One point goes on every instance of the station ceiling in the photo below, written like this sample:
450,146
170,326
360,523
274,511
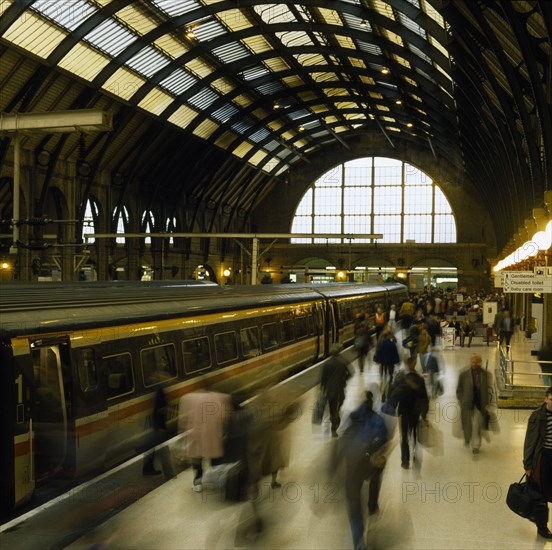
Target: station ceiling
214,101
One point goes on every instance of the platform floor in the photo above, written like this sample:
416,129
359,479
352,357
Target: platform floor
456,500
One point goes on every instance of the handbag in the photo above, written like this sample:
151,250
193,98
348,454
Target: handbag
525,501
319,408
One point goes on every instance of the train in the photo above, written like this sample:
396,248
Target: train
81,362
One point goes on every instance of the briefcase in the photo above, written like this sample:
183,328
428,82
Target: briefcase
525,501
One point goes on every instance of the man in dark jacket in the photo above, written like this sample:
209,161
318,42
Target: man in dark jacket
334,379
410,394
362,450
537,456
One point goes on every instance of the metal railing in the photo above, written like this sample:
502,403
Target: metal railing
522,372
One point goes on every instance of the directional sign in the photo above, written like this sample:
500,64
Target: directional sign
526,281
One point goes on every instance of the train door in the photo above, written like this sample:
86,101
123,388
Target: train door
52,406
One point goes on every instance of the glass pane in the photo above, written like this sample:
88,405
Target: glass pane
119,378
413,176
305,206
358,200
387,171
226,347
197,355
387,200
418,199
417,228
331,178
445,228
270,336
287,330
327,224
364,163
390,227
301,327
302,224
88,372
158,364
250,341
356,225
442,205
358,172
88,222
327,201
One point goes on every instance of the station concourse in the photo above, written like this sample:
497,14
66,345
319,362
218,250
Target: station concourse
455,501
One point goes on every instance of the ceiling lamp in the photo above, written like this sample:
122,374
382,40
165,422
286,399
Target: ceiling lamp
384,70
409,124
364,23
189,32
301,128
276,105
398,101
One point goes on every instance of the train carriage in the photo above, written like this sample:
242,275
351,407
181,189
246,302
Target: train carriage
80,362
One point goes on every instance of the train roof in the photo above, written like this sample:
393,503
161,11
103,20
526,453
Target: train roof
34,308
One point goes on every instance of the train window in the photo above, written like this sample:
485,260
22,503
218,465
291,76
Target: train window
250,341
197,355
158,364
301,327
119,376
287,330
226,347
88,371
270,335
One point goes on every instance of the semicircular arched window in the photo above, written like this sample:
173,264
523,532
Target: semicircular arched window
123,222
375,195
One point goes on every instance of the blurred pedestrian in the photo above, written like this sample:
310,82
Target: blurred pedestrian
362,339
409,394
202,416
387,356
474,393
362,451
158,436
335,375
506,329
537,456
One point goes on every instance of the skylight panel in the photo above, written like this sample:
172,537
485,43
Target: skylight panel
272,145
174,8
148,61
207,30
68,14
419,53
433,13
369,48
357,23
254,73
294,38
425,75
204,99
270,88
178,81
259,135
230,52
110,37
275,13
411,25
225,112
301,113
242,126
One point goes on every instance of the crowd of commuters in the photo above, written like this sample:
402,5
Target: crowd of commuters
251,442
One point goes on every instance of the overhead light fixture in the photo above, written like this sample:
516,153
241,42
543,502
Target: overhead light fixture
364,23
409,124
398,101
276,105
384,70
189,32
301,128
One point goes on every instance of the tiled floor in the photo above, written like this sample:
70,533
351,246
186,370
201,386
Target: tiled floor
456,500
